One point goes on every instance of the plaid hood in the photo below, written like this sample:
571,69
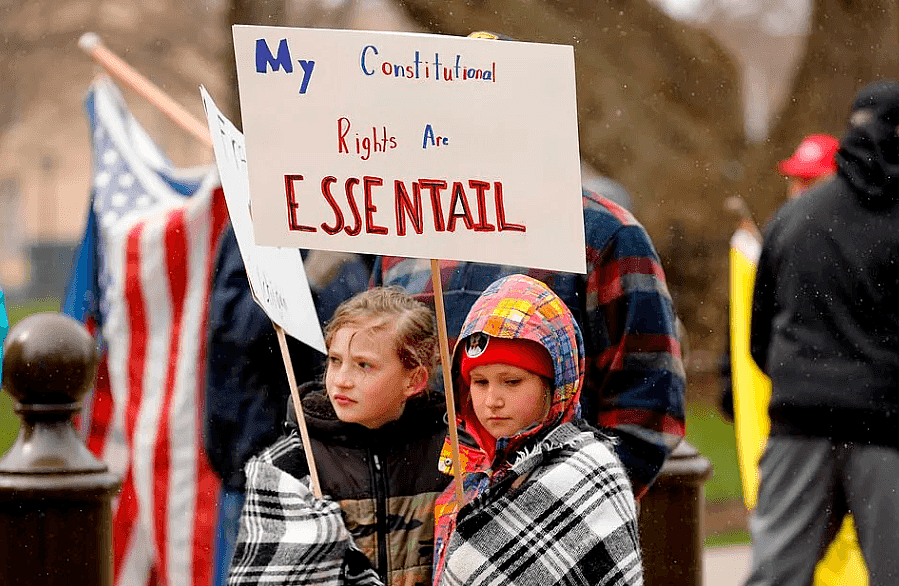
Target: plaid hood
551,504
519,306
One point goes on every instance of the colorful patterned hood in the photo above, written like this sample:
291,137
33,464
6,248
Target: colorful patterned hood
519,306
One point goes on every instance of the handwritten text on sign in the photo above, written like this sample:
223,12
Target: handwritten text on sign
414,145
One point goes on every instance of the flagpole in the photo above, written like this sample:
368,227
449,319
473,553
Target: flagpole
91,44
437,284
737,205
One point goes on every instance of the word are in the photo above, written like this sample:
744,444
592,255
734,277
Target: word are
407,206
365,145
454,70
265,59
430,139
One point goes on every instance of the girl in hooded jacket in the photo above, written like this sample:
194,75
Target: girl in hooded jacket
376,435
546,501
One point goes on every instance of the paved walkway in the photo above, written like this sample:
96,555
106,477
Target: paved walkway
726,566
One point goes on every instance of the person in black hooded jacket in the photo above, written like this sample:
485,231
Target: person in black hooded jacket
825,329
375,435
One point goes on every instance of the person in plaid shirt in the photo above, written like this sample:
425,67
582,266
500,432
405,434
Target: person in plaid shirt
635,380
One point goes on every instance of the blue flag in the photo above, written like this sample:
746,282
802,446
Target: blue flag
4,329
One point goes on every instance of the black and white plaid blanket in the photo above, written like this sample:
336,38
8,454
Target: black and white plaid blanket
289,537
572,521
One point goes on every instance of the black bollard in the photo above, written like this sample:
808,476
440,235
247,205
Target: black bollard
671,516
55,496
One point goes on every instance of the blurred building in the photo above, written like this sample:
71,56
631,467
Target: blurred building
45,158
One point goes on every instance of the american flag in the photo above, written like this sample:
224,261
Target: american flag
141,279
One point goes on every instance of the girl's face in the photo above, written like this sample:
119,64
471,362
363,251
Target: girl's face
366,382
506,399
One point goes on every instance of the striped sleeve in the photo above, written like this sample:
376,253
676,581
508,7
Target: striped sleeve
635,380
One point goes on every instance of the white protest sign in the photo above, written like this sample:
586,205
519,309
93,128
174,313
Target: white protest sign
277,276
417,145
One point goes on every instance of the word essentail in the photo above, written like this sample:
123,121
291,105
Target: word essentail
407,206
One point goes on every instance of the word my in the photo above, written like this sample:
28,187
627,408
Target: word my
265,59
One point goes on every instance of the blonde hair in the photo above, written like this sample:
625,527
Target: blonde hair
413,322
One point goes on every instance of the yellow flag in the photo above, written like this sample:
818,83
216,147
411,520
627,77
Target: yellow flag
843,564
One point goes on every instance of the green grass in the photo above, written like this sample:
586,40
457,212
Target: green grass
22,310
9,421
739,537
714,438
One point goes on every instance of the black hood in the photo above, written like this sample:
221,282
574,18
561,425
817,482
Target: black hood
869,153
420,417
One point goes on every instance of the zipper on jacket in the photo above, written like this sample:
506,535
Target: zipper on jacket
380,488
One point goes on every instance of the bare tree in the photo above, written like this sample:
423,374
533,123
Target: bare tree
659,110
851,43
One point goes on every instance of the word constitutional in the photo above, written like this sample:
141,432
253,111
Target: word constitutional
449,204
455,69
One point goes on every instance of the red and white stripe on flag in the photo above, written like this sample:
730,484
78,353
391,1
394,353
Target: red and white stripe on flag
156,251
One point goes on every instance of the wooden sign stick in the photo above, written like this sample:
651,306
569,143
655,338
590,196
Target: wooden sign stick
117,67
298,407
445,361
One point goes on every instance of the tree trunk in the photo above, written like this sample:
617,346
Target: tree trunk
658,110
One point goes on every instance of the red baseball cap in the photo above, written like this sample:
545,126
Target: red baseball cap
813,158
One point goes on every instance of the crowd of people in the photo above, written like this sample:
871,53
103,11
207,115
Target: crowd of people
587,395
569,395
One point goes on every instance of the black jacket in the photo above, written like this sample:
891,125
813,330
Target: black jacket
386,480
246,383
825,316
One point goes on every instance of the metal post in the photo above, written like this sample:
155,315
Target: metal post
671,515
55,496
